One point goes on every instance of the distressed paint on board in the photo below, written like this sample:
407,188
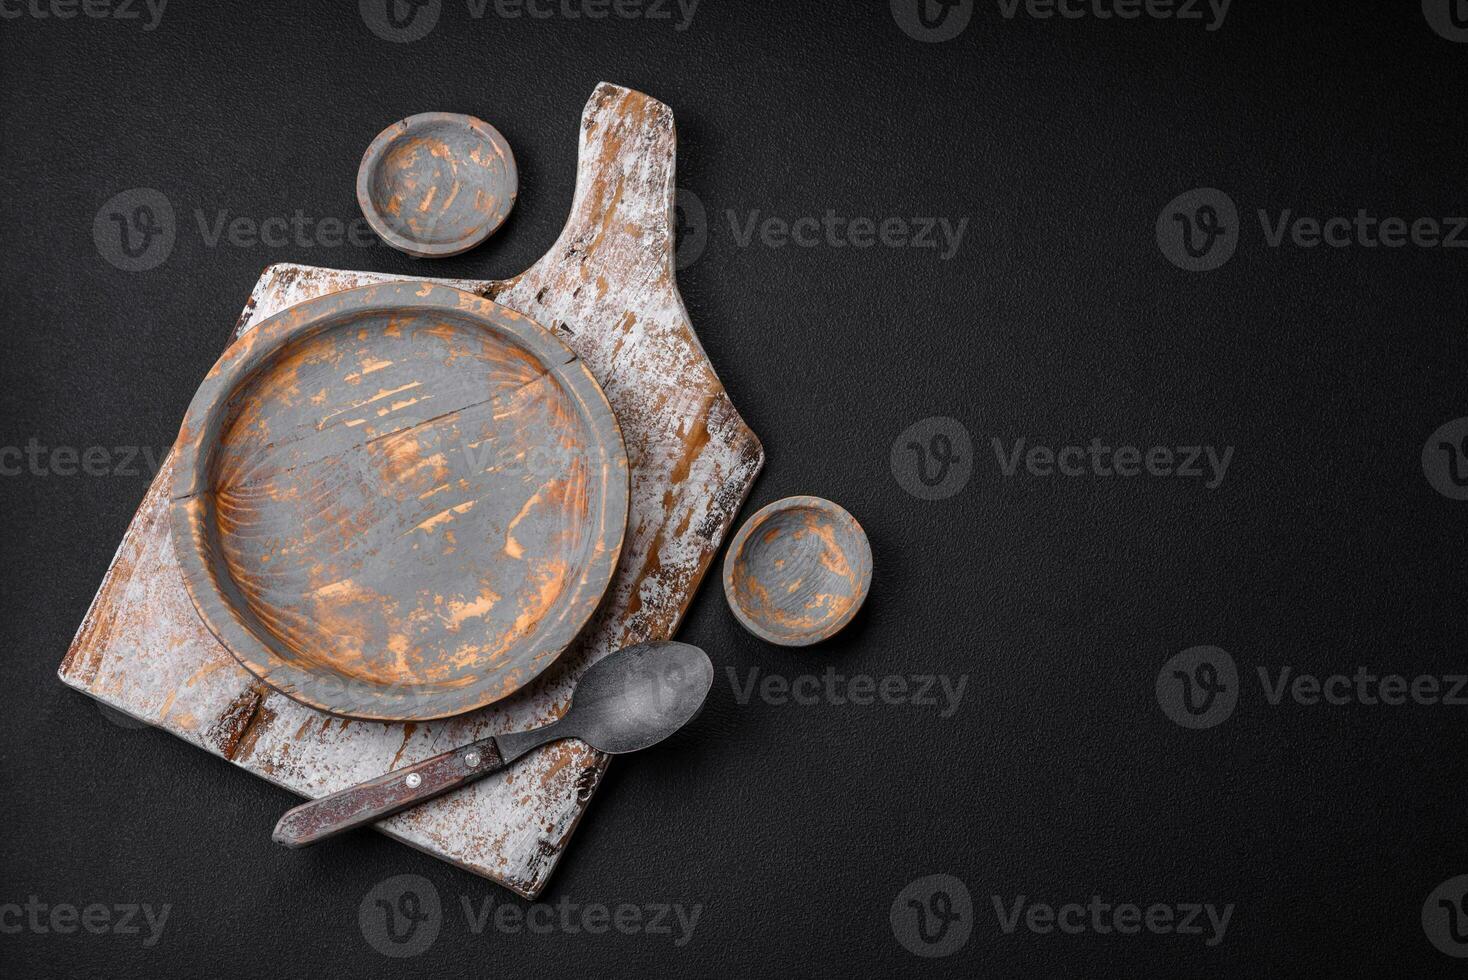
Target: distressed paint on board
607,289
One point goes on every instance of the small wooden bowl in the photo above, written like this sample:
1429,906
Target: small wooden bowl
798,571
437,183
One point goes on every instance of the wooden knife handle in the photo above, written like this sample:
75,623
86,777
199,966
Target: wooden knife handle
377,798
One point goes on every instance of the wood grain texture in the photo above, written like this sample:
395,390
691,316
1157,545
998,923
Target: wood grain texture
437,183
607,289
399,501
798,571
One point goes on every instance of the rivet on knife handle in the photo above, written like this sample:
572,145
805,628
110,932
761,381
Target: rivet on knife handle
378,798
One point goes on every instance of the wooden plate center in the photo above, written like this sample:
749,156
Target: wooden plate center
399,501
366,474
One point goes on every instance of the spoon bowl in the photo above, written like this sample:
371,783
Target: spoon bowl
636,697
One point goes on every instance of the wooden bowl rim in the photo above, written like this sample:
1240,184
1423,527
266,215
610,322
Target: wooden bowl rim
372,160
198,438
863,559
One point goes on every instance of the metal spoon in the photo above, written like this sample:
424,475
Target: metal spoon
626,701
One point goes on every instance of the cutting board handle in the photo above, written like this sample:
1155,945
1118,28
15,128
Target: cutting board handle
623,206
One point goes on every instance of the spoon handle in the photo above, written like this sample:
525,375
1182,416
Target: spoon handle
377,798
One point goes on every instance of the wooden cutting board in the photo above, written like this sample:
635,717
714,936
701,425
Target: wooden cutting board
606,288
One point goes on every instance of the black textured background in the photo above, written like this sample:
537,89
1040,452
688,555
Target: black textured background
1058,319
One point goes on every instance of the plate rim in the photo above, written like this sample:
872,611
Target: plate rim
248,353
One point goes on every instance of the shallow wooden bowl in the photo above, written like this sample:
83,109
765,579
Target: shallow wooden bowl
798,571
437,183
399,502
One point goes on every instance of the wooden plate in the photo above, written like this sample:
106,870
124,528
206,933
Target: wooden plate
437,183
797,571
398,502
